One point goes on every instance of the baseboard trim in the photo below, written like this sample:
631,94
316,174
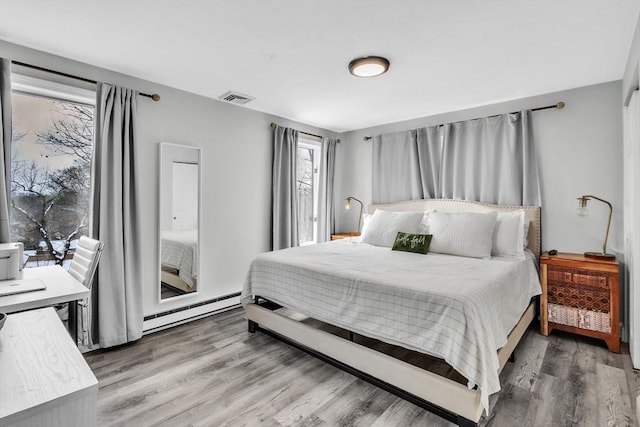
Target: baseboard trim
189,313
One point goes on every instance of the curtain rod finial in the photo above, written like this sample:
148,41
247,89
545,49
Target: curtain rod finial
155,97
560,105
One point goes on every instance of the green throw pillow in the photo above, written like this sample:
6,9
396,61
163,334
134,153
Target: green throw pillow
418,243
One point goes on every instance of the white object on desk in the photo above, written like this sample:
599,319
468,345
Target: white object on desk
44,380
12,287
11,260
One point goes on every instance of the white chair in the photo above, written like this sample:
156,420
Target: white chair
83,268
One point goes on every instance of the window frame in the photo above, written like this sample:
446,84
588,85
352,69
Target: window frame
315,146
50,89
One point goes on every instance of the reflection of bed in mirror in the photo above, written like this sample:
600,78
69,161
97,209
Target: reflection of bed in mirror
179,259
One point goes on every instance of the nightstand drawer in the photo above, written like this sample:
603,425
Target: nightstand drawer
576,276
584,298
583,319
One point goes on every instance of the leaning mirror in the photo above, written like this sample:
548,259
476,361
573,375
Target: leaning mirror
179,219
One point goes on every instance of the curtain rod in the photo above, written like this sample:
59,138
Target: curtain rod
154,96
558,105
273,126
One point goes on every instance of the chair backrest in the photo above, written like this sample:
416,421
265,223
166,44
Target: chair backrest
85,260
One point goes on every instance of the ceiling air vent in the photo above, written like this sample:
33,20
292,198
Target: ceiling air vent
235,98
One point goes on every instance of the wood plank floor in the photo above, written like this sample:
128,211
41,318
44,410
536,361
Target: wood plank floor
212,372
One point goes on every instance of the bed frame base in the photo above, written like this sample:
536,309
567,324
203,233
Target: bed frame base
441,396
435,409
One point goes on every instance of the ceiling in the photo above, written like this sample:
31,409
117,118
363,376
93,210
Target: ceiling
292,55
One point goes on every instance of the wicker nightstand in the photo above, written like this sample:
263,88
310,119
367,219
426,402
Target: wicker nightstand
580,295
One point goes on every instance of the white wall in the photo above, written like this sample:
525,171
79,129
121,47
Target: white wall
631,267
236,171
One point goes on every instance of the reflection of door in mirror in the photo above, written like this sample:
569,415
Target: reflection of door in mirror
179,208
184,196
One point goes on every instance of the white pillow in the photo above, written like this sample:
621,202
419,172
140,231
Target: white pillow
383,226
508,236
365,223
424,224
467,234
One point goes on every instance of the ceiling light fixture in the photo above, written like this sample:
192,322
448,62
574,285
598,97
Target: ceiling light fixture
369,66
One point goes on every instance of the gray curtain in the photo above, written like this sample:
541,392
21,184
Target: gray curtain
406,165
325,191
5,151
491,160
118,289
284,200
429,143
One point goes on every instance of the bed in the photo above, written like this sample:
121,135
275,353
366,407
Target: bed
179,263
472,320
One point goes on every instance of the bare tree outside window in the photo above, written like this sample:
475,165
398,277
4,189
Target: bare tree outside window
51,172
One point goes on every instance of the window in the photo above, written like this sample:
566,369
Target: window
50,168
308,163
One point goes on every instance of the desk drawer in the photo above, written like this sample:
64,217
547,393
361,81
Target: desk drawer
576,276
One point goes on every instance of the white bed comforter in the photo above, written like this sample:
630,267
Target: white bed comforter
455,308
179,250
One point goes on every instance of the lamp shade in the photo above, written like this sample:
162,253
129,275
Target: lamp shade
582,206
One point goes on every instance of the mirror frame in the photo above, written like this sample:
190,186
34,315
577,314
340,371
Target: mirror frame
165,156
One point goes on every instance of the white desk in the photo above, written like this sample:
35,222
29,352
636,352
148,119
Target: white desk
61,288
44,380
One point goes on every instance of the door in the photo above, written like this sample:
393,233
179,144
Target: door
184,209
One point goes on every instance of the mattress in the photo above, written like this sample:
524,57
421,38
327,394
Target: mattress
455,308
179,250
